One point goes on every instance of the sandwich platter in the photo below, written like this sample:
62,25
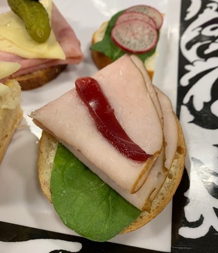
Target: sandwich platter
186,71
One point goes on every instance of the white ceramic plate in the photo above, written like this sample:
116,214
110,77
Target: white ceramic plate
21,200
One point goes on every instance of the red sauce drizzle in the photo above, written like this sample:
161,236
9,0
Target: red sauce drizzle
101,111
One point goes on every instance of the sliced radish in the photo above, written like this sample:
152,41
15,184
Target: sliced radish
150,11
135,15
134,36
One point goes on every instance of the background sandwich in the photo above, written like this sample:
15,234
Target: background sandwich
128,24
40,61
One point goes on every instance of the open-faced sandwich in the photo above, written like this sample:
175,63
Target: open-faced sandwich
10,105
36,35
134,30
112,151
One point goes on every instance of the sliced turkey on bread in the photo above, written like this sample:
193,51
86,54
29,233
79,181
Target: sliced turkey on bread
124,99
149,184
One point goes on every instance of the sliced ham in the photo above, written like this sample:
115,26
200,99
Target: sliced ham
64,35
124,87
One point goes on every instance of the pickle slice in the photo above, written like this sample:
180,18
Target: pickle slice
35,17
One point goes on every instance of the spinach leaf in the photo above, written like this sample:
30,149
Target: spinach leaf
84,202
110,49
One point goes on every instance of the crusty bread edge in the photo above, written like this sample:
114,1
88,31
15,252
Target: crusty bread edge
40,77
47,149
14,122
9,121
169,187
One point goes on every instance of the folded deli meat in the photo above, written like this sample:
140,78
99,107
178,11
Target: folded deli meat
62,47
143,112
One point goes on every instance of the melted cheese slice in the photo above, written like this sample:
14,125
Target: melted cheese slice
8,68
9,99
15,39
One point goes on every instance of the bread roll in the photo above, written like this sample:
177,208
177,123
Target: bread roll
10,113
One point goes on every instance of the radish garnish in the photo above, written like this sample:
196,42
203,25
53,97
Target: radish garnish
105,120
150,11
135,15
135,36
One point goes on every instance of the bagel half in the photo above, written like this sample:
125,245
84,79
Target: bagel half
47,149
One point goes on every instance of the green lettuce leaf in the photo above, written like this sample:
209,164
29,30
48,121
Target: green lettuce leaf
84,202
110,49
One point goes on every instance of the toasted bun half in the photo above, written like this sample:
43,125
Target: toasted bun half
47,149
101,60
11,114
40,77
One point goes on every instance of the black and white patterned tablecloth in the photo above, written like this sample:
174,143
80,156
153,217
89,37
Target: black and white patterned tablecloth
195,204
